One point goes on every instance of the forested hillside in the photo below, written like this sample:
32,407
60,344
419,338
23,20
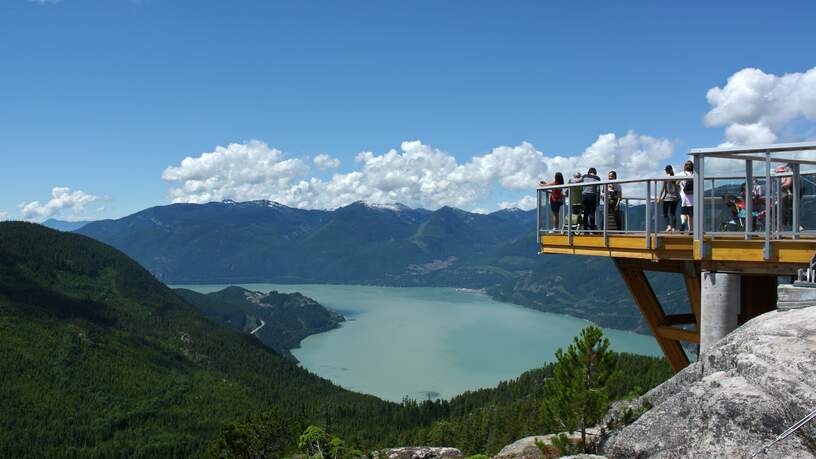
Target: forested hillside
100,359
484,421
279,320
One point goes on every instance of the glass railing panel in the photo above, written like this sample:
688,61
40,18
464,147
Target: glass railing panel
725,206
730,206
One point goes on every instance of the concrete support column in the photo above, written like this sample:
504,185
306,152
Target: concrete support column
719,308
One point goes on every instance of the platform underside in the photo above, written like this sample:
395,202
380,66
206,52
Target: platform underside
634,254
724,253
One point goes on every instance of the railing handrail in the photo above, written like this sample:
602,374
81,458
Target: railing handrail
772,148
618,181
661,179
776,203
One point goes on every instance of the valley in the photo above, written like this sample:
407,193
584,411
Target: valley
389,245
429,342
100,359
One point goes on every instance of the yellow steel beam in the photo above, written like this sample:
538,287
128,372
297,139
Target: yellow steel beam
647,302
681,247
678,334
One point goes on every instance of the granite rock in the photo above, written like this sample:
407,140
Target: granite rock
743,392
420,452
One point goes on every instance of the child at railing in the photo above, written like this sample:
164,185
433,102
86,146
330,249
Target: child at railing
736,204
575,199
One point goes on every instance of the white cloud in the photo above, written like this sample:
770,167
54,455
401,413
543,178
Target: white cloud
62,199
527,202
324,161
3,216
242,172
757,107
416,174
480,210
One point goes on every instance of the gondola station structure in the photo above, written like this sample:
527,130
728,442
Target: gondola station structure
750,231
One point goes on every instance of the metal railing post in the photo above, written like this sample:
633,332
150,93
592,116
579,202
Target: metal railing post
626,216
606,215
779,209
569,217
658,220
699,205
767,250
538,215
648,213
713,227
796,201
749,198
560,219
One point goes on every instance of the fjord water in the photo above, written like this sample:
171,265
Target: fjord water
425,342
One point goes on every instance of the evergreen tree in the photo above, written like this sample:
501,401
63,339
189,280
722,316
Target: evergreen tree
268,434
314,442
577,394
442,433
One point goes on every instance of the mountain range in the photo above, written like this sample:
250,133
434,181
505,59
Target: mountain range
362,243
65,225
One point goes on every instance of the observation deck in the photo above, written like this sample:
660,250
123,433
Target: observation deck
732,259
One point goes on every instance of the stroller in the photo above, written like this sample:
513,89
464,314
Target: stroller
739,214
574,221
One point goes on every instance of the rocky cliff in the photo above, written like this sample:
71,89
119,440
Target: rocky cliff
746,390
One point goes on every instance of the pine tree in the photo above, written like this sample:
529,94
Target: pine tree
577,394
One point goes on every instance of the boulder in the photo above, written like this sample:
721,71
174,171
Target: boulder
420,452
742,393
526,448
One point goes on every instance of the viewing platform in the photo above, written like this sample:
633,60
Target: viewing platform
749,232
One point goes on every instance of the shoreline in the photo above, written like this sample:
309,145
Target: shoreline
483,291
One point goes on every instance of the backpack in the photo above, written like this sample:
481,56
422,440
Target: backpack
688,188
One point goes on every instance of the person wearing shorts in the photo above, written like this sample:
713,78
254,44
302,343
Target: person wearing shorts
556,199
687,197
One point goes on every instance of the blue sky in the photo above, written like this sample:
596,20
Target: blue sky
102,97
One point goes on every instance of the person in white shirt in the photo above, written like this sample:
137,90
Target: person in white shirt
615,194
687,196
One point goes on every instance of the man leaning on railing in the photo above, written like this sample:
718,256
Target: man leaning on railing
589,200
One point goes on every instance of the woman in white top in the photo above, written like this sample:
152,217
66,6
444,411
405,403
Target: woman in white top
687,196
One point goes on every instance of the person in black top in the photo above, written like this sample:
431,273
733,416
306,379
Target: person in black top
614,195
589,199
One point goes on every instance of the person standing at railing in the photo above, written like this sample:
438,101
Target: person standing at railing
687,197
556,199
614,194
589,199
786,196
575,199
669,196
